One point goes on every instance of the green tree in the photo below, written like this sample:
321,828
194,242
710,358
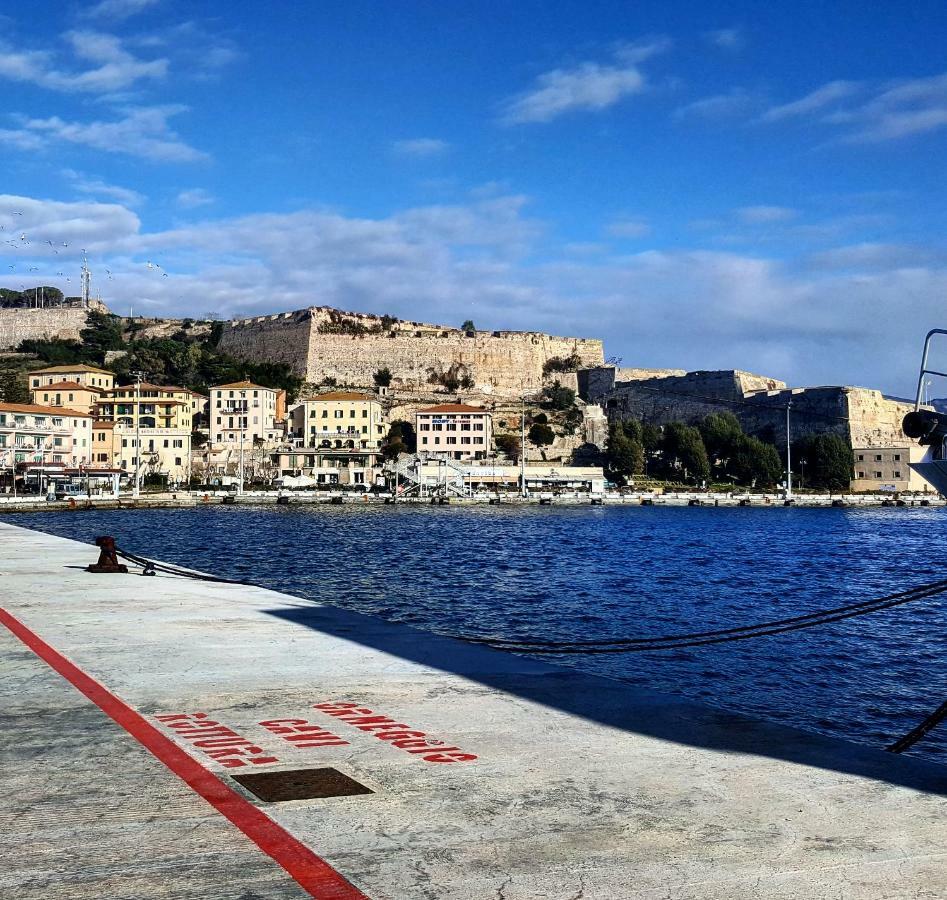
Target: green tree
624,455
382,377
102,332
754,463
468,326
559,397
828,459
541,435
13,388
684,449
721,433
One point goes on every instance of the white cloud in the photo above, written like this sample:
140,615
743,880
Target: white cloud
628,228
589,86
143,132
726,38
851,317
96,187
906,108
816,101
117,9
115,68
736,102
898,109
420,147
765,215
193,198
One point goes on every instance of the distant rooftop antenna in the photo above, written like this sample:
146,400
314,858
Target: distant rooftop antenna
86,281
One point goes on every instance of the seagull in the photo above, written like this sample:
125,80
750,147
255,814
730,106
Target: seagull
18,214
12,267
150,264
59,273
164,274
23,236
34,268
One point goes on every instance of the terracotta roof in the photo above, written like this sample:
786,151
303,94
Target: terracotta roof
78,367
242,385
102,425
342,395
42,410
453,408
68,386
148,386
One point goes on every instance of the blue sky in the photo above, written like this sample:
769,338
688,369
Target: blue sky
704,185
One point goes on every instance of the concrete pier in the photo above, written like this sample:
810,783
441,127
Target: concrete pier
481,774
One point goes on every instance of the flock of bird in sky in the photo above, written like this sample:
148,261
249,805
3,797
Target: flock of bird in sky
24,241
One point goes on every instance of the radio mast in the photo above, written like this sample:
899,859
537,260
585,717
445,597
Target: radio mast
86,281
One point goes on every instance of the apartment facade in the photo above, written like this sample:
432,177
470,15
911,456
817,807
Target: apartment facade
243,411
149,405
32,435
887,469
335,439
454,431
68,394
165,452
339,419
88,376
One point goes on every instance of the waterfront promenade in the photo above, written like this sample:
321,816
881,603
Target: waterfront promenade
580,787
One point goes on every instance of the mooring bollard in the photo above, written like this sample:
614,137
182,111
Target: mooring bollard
108,557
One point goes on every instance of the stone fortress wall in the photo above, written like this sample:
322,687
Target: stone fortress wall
321,343
865,417
18,325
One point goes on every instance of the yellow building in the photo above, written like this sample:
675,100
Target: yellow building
71,394
339,419
158,406
89,376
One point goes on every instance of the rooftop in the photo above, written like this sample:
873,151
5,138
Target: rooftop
342,395
41,410
453,408
69,386
78,367
241,385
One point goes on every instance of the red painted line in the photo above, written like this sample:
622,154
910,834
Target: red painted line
313,873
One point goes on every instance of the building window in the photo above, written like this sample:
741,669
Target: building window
897,457
451,440
877,457
879,475
861,457
424,439
859,474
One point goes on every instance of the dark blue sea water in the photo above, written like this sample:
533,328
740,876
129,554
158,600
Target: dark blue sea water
587,572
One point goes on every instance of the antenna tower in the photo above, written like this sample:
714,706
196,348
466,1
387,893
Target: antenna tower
86,281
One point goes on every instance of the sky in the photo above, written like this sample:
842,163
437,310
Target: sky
702,185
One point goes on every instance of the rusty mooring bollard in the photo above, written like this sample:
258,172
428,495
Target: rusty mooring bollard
108,558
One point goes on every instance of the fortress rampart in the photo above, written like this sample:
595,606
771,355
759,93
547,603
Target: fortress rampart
865,417
40,324
321,343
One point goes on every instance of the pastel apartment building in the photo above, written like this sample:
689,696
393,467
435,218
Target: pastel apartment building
454,431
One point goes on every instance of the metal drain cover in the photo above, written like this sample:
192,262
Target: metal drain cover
301,784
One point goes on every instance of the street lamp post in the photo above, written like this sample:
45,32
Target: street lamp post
788,454
136,488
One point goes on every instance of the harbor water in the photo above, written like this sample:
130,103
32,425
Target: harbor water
583,573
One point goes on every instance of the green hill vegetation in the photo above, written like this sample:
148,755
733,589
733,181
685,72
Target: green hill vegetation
185,359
